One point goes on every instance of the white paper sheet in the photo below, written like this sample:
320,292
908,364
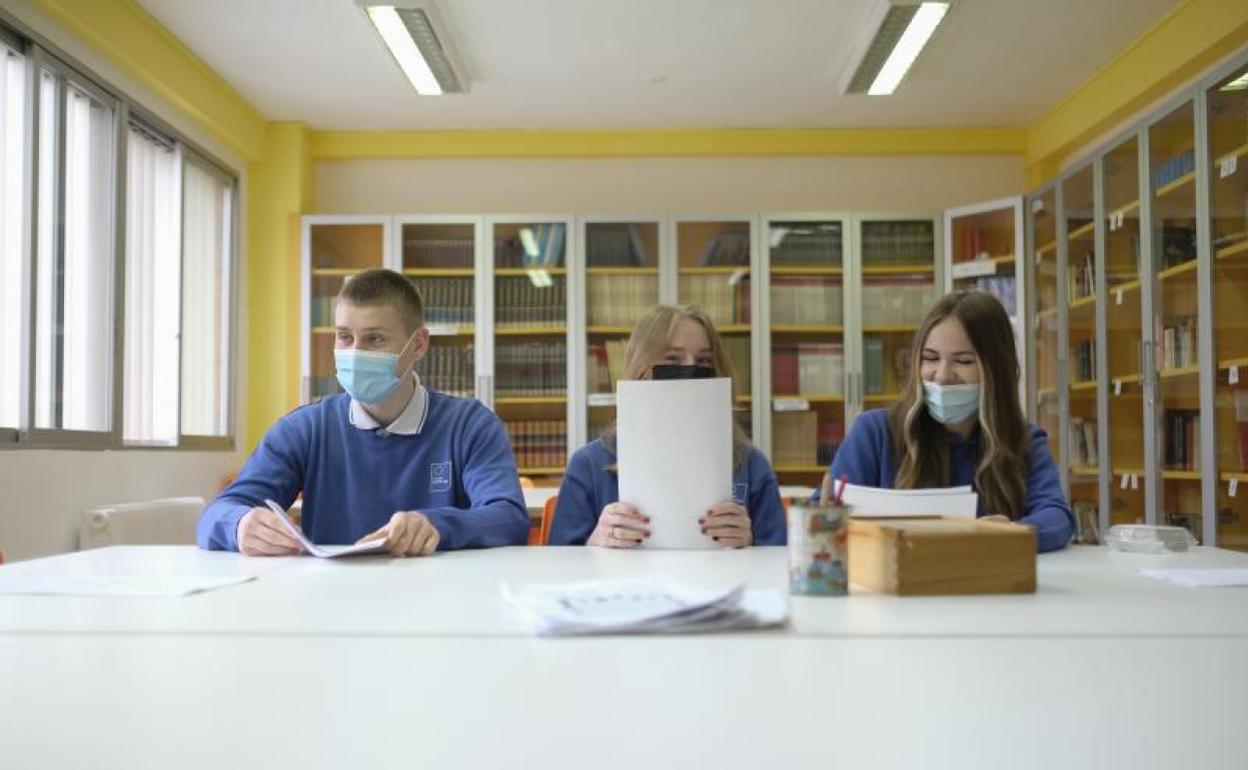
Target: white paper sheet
174,585
1195,578
674,449
949,502
323,551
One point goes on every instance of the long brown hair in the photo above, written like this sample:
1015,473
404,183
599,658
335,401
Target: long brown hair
921,443
647,346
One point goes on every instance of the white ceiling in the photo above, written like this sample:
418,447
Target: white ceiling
623,64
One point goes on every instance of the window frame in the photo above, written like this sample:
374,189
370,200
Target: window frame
40,55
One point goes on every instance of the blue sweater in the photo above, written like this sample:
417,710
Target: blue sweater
866,459
588,486
458,471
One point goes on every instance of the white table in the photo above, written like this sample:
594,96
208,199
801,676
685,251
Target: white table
417,663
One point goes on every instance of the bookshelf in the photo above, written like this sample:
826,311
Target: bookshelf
1227,126
1045,403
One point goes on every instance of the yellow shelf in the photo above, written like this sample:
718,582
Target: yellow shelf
1170,272
541,471
1234,250
622,270
1087,301
322,330
504,331
1227,476
1045,248
745,399
801,469
529,400
733,329
1048,311
1182,371
1129,286
716,270
441,330
890,329
1170,187
1128,472
609,329
1085,470
338,271
881,397
1128,379
818,398
806,329
1045,392
524,271
898,269
1181,475
1084,385
1081,231
440,272
1238,152
1229,362
791,270
1132,206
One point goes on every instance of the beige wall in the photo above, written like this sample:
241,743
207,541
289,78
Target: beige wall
635,185
43,491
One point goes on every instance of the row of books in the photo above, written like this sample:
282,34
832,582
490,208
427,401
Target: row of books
730,247
1083,359
1003,287
609,244
532,246
902,300
808,369
448,369
725,301
620,300
1182,439
531,369
1177,344
806,243
447,300
898,243
1081,278
806,300
973,245
1083,447
321,311
606,365
1240,400
1175,167
538,443
439,252
520,302
802,438
1178,245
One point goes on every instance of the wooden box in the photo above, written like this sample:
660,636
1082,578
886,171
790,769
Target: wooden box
942,556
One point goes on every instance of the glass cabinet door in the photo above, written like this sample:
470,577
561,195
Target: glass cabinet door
438,258
1045,322
1080,271
984,251
1228,202
1123,346
898,269
336,251
621,285
1175,312
713,272
530,391
807,320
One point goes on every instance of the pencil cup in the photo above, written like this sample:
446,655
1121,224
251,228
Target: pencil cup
818,549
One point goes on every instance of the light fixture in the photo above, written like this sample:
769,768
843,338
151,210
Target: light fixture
410,32
898,31
1238,84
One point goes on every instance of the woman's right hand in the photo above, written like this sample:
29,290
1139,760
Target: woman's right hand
620,525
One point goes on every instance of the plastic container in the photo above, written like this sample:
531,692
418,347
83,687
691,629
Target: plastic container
1148,538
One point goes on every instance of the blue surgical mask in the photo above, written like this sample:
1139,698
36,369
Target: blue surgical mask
951,404
367,375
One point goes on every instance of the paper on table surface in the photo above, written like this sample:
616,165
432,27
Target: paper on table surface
1194,578
323,551
674,450
90,585
871,502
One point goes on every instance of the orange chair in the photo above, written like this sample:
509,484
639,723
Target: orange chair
548,514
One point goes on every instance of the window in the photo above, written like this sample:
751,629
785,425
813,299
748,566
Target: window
153,286
75,264
207,243
12,227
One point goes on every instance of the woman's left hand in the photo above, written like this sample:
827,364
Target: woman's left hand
728,524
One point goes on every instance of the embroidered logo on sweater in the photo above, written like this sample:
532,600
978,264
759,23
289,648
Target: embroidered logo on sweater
440,476
738,492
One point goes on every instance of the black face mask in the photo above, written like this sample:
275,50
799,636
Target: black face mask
682,372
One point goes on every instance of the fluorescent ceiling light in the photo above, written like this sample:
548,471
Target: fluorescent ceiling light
1238,84
898,31
408,31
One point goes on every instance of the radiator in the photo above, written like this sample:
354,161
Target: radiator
170,521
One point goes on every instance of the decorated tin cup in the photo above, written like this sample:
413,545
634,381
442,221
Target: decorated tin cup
818,549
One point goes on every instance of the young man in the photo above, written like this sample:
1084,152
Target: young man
388,458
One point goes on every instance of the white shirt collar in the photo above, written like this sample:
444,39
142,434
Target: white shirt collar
409,422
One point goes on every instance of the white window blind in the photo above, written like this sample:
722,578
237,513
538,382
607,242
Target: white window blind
153,285
12,215
206,248
74,327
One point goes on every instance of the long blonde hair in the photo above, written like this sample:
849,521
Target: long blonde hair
648,345
921,444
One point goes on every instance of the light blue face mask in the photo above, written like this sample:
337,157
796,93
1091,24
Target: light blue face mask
368,376
951,404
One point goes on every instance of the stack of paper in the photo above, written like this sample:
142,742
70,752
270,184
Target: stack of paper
643,606
947,502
